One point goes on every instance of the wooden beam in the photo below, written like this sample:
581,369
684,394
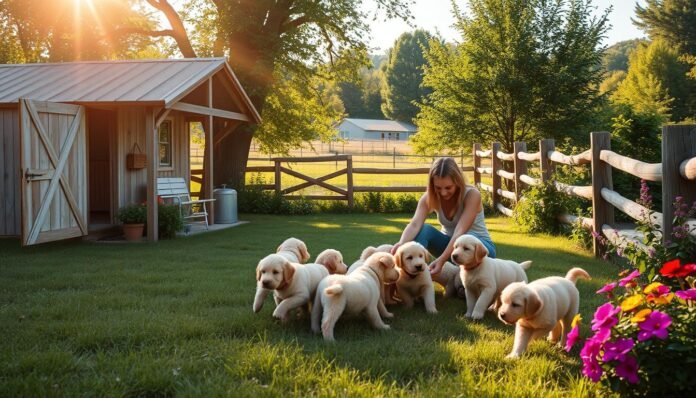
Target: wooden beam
476,164
678,145
202,110
645,171
520,168
209,144
602,211
545,162
152,151
581,158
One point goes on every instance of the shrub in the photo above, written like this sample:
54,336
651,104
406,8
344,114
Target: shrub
579,234
540,209
170,220
133,214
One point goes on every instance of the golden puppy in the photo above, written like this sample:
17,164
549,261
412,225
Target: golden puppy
356,293
484,277
544,306
294,250
333,261
367,252
293,284
450,279
414,276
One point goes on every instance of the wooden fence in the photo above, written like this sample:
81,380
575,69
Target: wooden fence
346,193
676,172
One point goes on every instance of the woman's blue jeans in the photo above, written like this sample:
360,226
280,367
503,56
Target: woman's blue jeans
436,241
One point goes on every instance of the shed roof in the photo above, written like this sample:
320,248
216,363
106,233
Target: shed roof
383,125
162,81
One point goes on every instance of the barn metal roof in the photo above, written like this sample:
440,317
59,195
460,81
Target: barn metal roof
383,125
162,81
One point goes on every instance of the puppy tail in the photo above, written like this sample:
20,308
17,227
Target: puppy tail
333,290
526,264
576,273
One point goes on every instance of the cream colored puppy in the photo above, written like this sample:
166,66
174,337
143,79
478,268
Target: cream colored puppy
356,293
543,307
367,252
484,277
333,261
450,279
294,250
293,284
414,276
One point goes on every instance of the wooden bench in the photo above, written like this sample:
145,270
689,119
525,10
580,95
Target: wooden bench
176,190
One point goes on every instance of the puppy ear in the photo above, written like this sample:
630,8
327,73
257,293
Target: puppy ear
258,273
397,257
387,260
370,250
304,254
279,246
480,252
533,305
288,272
331,264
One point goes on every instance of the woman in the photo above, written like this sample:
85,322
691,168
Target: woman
459,211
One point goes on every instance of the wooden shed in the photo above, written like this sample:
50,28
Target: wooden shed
69,133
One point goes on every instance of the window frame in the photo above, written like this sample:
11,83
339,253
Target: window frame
170,144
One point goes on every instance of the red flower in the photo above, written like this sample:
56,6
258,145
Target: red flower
674,269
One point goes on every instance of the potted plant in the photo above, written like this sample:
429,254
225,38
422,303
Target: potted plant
133,218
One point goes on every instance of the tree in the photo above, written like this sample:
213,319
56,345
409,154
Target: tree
616,56
265,39
403,75
656,82
363,99
671,20
524,69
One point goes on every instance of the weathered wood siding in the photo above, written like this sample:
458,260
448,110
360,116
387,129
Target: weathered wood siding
130,185
10,209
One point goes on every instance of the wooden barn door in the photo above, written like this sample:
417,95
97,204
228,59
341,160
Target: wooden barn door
54,171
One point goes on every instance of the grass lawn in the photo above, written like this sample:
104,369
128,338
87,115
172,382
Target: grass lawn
175,318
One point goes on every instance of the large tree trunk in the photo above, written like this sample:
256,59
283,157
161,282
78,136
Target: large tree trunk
231,157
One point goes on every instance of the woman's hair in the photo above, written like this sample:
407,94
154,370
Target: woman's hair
444,167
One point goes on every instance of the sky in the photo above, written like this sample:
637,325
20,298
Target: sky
436,15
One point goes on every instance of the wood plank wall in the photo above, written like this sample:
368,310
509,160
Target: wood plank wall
10,209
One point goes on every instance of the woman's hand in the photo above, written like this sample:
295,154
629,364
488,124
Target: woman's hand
395,247
436,266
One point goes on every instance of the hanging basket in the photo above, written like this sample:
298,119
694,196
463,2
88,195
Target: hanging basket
136,160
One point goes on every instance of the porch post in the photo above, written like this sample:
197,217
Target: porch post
209,143
152,151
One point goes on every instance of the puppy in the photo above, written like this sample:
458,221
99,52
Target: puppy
484,277
293,284
333,261
356,293
544,306
367,252
450,279
414,276
294,250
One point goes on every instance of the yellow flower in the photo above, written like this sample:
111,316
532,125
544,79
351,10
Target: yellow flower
652,287
641,315
666,299
576,320
630,303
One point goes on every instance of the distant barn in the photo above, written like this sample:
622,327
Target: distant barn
79,140
372,129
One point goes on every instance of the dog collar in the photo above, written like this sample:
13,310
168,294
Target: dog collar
413,276
379,280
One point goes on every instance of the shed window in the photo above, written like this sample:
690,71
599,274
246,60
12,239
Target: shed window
165,144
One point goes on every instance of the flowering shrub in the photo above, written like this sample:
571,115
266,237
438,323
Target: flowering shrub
643,339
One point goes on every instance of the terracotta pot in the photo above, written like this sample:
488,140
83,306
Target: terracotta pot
133,232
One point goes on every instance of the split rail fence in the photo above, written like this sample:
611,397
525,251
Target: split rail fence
676,172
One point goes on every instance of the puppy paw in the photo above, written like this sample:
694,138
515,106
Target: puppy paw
388,315
283,317
386,327
476,316
512,356
467,315
431,311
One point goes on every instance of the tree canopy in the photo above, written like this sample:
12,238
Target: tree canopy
525,69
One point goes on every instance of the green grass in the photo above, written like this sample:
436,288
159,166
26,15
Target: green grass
175,318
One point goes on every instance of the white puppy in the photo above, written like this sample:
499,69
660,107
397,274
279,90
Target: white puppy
356,293
484,277
367,252
450,279
543,307
333,261
293,284
294,250
414,276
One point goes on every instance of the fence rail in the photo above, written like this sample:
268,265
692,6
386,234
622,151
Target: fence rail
676,172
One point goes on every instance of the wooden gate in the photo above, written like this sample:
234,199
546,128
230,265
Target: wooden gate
54,171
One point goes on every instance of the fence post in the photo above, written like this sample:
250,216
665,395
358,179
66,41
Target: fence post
602,211
277,177
520,168
349,180
477,164
546,165
496,164
678,144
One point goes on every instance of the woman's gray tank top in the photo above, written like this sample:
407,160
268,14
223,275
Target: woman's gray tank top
478,227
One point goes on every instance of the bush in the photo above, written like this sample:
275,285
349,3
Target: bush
133,214
540,209
170,221
579,234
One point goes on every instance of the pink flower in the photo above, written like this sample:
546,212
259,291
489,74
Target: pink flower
607,288
627,280
605,317
592,370
655,325
627,369
687,294
572,338
617,350
602,334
